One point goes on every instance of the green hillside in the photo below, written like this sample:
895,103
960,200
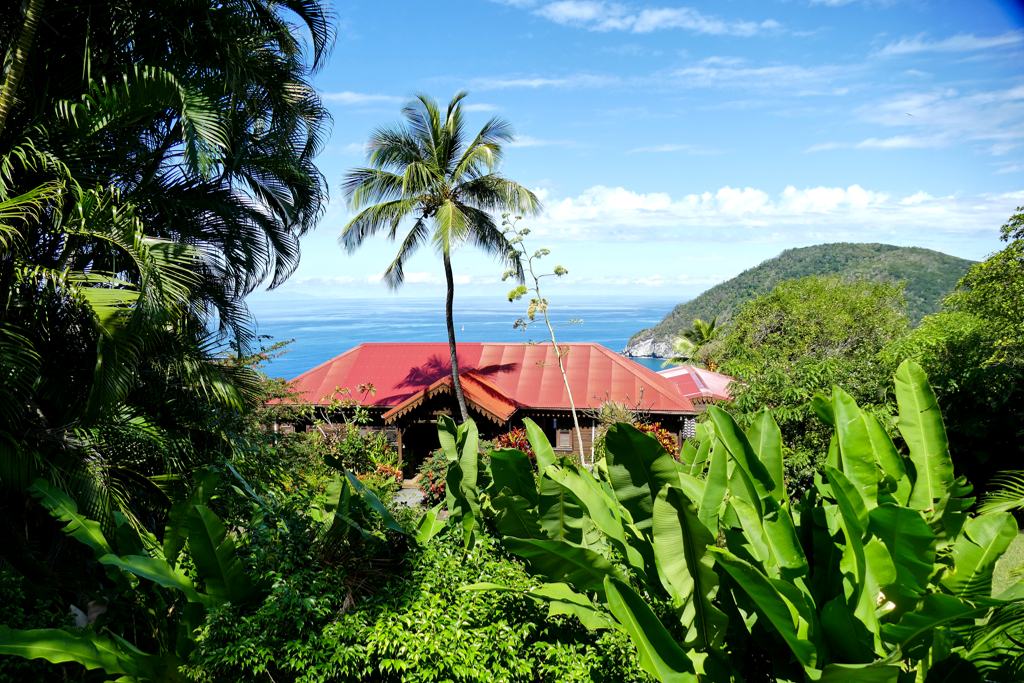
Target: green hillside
929,276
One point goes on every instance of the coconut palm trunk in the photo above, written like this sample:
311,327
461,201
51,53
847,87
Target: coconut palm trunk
450,320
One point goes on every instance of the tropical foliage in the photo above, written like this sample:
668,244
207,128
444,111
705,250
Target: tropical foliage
803,338
156,165
429,172
877,572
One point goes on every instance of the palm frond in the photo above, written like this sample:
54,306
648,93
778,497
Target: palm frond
1007,493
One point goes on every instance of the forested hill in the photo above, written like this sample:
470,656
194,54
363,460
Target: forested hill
929,276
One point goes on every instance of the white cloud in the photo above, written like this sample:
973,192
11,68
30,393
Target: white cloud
351,149
355,98
940,118
573,81
1011,169
712,74
528,141
750,214
832,3
964,42
598,15
689,149
479,107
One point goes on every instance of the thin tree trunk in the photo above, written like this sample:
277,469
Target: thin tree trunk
565,378
21,50
456,382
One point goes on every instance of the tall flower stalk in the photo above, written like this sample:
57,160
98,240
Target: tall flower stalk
538,304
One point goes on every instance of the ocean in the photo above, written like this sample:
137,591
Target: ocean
325,328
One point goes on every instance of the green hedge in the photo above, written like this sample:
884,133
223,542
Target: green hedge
416,626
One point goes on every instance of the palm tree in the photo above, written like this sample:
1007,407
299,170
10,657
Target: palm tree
693,341
426,170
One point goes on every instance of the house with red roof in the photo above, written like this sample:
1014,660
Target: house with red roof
502,384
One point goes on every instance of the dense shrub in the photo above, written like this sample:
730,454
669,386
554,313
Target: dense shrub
417,626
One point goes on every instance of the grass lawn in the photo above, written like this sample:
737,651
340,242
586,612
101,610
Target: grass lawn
1013,559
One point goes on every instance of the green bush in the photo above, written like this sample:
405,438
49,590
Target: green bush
18,609
369,624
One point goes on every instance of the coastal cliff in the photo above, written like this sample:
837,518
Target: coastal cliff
640,346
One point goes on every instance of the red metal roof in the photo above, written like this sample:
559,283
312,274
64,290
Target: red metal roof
499,377
698,383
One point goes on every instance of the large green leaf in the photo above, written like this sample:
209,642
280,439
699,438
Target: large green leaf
511,469
730,434
716,486
856,447
602,509
680,545
779,611
658,652
780,533
765,438
77,526
852,504
517,518
638,468
560,561
176,530
922,428
542,449
562,599
159,572
57,646
217,563
429,525
975,552
858,673
936,609
561,515
911,545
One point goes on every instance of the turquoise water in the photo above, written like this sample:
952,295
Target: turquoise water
325,328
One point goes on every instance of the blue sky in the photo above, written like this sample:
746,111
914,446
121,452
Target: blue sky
677,144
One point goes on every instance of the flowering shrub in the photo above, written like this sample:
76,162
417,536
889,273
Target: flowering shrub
516,439
384,471
664,437
432,482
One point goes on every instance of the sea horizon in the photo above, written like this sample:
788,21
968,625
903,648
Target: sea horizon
324,328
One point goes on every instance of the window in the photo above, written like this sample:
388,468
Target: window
564,440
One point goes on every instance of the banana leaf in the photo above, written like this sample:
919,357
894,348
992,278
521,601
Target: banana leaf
563,562
176,530
911,545
777,609
658,652
638,468
765,438
517,518
511,469
680,545
542,449
922,428
217,563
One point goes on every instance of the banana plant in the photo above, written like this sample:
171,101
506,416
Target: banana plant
138,566
878,574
